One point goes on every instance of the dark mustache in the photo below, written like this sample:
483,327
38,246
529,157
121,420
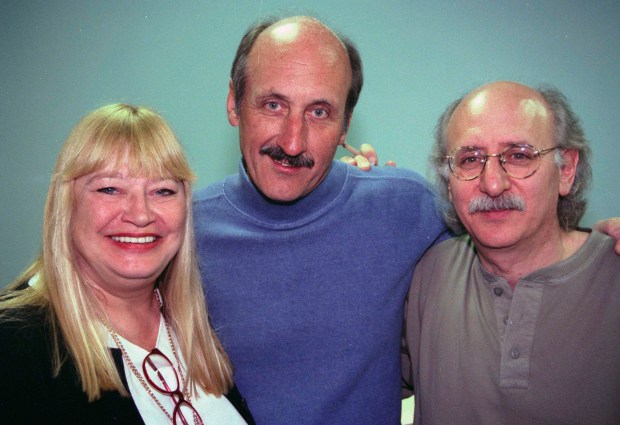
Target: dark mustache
277,154
506,201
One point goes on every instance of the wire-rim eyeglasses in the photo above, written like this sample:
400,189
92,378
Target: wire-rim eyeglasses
518,161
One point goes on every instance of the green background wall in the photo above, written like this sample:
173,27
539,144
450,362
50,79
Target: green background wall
61,59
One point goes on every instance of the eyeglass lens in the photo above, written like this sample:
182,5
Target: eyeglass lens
160,373
183,411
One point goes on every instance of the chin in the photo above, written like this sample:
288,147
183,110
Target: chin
284,198
493,235
283,193
496,241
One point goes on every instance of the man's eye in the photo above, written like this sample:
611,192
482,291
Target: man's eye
467,159
470,159
523,156
107,190
272,106
319,113
520,155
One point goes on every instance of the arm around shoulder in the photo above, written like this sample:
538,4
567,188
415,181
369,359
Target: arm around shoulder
611,227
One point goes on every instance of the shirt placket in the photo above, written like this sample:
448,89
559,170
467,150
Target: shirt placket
516,313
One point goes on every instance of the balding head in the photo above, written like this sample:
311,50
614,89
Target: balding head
293,32
498,104
505,95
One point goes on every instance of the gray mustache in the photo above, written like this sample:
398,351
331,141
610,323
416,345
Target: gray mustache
502,202
277,154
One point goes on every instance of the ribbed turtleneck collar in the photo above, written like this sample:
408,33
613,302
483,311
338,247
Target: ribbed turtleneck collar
242,193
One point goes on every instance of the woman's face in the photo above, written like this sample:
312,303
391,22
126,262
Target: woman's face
126,229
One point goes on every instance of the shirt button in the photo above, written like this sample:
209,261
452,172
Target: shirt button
506,321
498,291
514,353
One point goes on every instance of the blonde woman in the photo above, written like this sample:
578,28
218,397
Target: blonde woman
109,324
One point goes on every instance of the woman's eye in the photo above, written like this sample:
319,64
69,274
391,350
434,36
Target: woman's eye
107,190
165,192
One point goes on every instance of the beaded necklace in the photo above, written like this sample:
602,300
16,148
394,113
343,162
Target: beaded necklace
134,369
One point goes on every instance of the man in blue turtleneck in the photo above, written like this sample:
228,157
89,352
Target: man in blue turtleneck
306,262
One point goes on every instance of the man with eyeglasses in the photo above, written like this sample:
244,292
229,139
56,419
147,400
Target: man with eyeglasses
517,321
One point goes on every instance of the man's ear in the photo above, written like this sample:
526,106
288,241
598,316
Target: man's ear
345,131
233,116
568,171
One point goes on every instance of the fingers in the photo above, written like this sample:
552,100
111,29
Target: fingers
362,162
348,160
610,226
369,153
364,158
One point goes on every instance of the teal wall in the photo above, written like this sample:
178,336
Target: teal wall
60,59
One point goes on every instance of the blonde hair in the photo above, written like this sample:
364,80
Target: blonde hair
116,133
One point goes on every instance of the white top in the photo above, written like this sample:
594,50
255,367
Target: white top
213,410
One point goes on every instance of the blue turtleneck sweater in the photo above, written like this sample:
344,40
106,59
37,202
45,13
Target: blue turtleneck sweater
307,297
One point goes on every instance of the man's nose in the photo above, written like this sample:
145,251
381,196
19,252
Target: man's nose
294,133
494,180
